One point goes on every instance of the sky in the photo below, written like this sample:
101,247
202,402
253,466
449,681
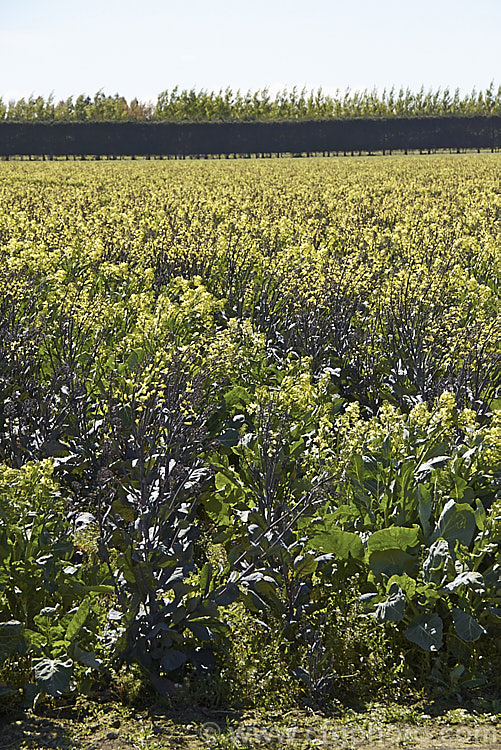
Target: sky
138,49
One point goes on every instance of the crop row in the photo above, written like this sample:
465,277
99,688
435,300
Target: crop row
249,426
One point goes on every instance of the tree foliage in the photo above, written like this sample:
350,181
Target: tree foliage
226,105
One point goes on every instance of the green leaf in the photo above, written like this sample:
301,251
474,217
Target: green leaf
392,609
424,508
435,565
480,515
340,543
53,675
396,537
467,628
472,580
134,358
123,509
391,562
456,523
222,481
141,575
87,658
10,637
406,583
434,463
426,631
35,638
218,510
305,565
205,578
254,602
226,595
100,588
78,620
200,630
492,577
266,589
345,514
173,659
229,438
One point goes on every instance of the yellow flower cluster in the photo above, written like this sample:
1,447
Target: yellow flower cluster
492,442
28,488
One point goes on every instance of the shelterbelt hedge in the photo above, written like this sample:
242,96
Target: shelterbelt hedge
250,435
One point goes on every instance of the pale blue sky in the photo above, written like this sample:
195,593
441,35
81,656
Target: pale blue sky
144,47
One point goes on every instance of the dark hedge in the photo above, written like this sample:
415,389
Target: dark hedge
183,139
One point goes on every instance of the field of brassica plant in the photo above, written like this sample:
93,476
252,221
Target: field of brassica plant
250,435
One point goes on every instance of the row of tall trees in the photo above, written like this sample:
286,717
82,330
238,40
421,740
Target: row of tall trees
227,105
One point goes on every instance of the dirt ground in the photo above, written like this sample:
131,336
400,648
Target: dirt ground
115,728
